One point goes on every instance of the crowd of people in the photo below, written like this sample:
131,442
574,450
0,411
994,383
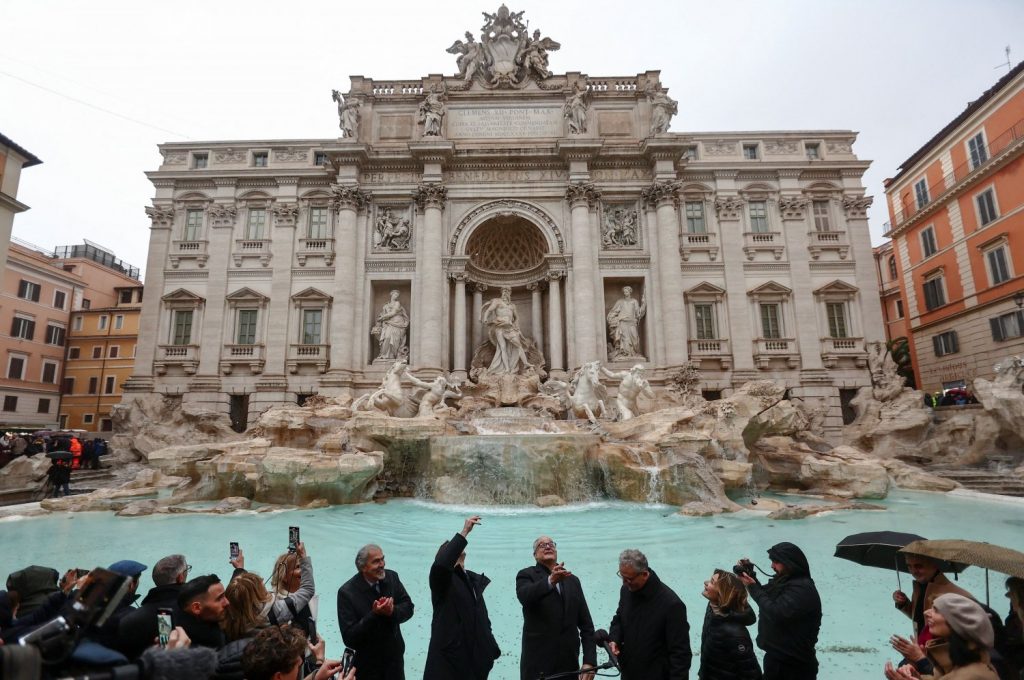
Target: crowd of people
251,628
82,453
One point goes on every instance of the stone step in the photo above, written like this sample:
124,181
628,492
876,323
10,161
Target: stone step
984,480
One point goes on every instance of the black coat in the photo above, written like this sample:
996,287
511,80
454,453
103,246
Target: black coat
138,629
201,633
790,609
462,646
726,652
554,625
653,635
377,639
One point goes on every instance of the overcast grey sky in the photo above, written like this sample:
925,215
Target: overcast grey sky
896,71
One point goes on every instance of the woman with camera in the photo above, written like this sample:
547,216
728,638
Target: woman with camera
726,652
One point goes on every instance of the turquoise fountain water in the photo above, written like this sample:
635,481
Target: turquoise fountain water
859,616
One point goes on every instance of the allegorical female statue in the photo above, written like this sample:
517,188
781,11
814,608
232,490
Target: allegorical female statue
623,322
391,329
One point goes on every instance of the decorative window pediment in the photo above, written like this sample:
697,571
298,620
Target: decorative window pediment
771,289
837,290
183,297
248,297
705,292
311,295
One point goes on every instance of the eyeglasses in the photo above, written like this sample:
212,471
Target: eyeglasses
547,544
188,568
630,579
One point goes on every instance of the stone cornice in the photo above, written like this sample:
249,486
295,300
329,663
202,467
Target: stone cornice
572,149
432,151
665,148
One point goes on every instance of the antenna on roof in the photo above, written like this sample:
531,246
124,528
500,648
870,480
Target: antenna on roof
1008,64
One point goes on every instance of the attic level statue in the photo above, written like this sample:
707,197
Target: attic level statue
348,114
507,55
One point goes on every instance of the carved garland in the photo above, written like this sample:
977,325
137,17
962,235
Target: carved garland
506,206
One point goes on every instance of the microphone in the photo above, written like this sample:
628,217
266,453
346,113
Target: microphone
602,639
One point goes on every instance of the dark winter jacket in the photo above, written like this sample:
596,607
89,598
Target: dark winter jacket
554,624
201,633
138,629
462,646
726,652
34,585
652,633
23,625
790,608
377,639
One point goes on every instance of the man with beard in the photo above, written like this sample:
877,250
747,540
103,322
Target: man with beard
462,646
790,615
556,619
203,604
371,607
649,632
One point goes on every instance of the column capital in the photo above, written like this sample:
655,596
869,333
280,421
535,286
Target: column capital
554,275
856,207
285,214
793,207
729,207
222,214
533,286
582,193
480,287
348,196
162,216
431,195
459,277
662,193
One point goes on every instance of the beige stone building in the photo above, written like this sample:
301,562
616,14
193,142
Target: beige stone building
13,159
282,268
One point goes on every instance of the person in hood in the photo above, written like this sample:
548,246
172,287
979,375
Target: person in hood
726,652
462,646
138,629
790,615
649,632
107,634
34,585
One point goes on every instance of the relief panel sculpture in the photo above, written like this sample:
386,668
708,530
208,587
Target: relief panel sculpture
392,230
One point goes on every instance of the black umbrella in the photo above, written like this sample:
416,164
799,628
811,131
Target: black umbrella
877,549
60,455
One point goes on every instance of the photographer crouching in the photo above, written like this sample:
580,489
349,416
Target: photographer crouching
790,613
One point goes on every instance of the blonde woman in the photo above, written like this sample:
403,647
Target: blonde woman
726,652
253,607
285,583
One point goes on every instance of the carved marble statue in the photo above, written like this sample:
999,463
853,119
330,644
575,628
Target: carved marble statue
575,109
663,108
437,391
623,322
506,54
632,385
391,328
533,53
471,56
621,228
500,319
348,114
886,381
393,233
387,398
584,396
431,113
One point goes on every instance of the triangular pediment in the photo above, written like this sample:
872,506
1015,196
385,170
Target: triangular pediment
247,295
770,288
837,286
311,295
705,288
182,295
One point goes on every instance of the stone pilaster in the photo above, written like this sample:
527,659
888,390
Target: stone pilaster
348,199
582,197
554,322
223,216
278,331
160,235
431,198
664,197
855,209
478,305
793,214
536,314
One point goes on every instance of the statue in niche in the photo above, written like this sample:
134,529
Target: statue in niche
663,108
471,56
500,319
621,228
390,329
348,114
431,113
575,109
392,233
437,391
632,385
387,398
623,323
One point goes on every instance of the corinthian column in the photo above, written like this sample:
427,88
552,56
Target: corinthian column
663,196
478,305
536,315
581,197
554,322
431,197
460,324
347,201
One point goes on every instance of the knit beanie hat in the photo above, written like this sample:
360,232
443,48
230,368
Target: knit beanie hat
966,618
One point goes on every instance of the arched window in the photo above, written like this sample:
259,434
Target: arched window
892,268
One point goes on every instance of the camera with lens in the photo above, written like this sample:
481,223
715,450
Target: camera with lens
745,566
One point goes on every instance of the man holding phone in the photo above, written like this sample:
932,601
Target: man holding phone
372,605
139,629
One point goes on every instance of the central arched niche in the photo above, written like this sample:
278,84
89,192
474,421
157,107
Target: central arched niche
506,244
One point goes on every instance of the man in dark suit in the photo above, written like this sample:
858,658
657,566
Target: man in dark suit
556,619
371,607
462,646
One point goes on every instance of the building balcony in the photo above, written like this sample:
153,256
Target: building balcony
185,357
256,248
771,241
189,250
253,356
315,355
711,350
835,349
767,349
820,241
694,243
322,247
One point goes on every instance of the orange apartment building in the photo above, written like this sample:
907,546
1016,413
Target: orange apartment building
957,227
894,310
101,353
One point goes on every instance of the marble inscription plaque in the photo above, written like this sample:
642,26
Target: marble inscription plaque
396,127
496,123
